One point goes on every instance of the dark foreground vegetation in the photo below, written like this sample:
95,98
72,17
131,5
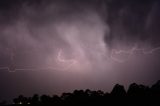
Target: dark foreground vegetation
136,95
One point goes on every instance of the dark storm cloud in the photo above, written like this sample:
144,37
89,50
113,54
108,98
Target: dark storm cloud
133,21
78,35
28,28
128,20
22,20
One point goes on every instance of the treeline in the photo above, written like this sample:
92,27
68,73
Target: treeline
136,95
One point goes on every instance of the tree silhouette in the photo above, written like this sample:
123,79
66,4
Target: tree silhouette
118,94
136,92
35,99
136,95
21,100
155,92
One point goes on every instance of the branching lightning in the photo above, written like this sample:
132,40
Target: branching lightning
60,59
130,53
68,63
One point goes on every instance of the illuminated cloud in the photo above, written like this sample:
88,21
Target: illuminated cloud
75,44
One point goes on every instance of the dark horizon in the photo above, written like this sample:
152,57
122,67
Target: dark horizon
55,46
136,94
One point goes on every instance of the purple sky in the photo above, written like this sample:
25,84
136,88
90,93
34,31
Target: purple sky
50,47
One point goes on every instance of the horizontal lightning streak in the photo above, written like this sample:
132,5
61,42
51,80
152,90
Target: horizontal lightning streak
130,53
70,63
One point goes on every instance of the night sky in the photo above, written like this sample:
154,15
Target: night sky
55,46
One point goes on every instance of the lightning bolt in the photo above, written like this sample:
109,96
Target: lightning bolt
70,62
60,59
130,53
